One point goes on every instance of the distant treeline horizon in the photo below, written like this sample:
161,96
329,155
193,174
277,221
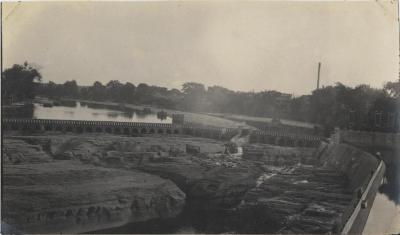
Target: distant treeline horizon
361,107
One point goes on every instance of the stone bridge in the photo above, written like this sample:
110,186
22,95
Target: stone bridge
138,128
126,128
284,139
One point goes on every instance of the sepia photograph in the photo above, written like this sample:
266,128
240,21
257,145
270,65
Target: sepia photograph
200,117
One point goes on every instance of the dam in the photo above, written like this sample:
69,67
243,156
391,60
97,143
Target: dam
217,117
60,176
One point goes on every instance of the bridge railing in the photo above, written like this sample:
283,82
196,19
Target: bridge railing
84,123
115,127
288,139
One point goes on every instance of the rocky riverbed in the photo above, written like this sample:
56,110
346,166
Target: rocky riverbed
76,183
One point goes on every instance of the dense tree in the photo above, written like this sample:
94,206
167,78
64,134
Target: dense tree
217,98
393,88
300,108
70,89
18,82
97,91
127,92
194,96
361,107
114,89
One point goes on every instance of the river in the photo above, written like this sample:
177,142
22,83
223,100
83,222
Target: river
384,217
84,111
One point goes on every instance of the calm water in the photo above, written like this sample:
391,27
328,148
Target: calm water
83,112
384,217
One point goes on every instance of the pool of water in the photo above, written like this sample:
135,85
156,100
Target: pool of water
82,111
384,217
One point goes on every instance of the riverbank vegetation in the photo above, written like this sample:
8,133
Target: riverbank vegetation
18,83
361,107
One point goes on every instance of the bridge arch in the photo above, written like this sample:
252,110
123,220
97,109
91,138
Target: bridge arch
197,133
281,142
188,132
79,129
117,130
110,127
126,131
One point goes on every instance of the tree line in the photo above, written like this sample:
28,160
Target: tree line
361,107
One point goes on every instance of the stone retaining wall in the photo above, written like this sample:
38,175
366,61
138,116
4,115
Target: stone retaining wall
364,172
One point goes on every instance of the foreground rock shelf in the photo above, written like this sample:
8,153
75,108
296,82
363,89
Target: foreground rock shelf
76,183
303,200
69,197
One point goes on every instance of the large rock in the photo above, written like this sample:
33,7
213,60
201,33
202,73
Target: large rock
304,199
271,189
17,151
207,178
69,197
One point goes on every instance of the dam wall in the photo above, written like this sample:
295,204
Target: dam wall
282,138
125,128
365,173
356,164
138,128
365,138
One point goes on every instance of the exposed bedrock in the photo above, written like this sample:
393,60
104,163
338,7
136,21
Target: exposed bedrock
270,189
67,196
210,175
356,164
315,198
300,200
17,151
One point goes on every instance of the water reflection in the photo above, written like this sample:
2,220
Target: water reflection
384,217
95,112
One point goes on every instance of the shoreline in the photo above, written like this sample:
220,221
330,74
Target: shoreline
196,118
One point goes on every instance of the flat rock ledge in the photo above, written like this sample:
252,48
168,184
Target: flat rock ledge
71,197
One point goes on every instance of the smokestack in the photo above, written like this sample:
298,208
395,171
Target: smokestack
319,71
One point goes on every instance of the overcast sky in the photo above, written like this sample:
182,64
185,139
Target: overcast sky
239,45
